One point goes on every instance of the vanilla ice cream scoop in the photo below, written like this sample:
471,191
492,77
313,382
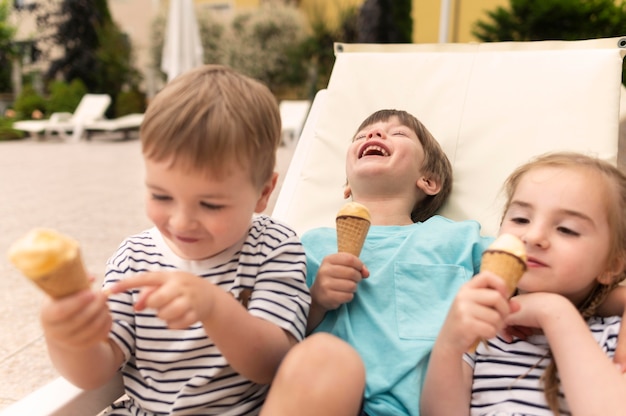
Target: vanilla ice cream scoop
51,260
353,222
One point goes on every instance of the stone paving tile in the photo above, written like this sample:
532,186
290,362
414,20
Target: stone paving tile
92,191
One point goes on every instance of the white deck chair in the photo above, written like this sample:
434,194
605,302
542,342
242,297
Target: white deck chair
124,124
68,125
492,107
293,115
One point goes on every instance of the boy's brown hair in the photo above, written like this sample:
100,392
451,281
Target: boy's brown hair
211,117
436,163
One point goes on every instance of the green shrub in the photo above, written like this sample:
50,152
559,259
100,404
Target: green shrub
65,97
129,102
7,132
28,101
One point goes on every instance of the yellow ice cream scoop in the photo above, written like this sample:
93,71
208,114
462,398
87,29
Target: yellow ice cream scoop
50,259
353,222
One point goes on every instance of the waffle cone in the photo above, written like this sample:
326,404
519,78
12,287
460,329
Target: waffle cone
507,266
70,277
351,233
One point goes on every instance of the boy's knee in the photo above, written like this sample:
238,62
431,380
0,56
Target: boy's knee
322,355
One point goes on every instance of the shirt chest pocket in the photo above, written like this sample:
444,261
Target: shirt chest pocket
423,295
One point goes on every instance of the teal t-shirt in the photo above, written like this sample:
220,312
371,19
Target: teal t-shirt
395,316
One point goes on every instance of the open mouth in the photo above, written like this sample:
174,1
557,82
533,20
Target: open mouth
373,149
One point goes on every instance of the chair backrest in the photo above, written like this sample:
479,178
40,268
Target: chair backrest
91,107
491,106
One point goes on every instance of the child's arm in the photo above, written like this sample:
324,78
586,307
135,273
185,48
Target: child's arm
591,382
254,347
335,284
76,331
477,311
615,304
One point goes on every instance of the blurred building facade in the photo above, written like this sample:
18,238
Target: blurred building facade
433,21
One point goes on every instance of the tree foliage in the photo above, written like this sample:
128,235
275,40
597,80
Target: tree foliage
93,48
385,21
530,20
7,47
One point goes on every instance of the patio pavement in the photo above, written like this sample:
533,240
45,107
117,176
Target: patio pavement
90,190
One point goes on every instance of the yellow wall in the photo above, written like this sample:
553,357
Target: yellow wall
328,10
463,15
426,16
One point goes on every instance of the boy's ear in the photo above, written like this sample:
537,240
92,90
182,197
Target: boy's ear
266,192
429,185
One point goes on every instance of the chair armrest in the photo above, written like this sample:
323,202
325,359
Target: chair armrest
60,117
61,398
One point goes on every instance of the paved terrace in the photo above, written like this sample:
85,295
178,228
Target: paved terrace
90,190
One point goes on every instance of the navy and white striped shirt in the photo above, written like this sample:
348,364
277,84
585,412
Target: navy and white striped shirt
181,371
507,375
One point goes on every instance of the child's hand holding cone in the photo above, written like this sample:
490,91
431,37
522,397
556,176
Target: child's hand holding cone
505,257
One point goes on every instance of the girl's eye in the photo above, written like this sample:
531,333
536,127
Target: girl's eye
359,137
568,231
519,220
400,133
158,197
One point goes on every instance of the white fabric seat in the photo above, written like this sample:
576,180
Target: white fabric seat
491,106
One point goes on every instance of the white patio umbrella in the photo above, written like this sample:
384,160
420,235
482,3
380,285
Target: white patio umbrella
182,49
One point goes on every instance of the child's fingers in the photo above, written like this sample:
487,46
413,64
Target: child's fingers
138,281
59,310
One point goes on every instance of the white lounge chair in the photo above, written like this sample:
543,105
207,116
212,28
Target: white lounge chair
492,106
293,115
68,125
124,124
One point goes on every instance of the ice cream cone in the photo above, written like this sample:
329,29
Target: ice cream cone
52,261
505,257
353,223
506,265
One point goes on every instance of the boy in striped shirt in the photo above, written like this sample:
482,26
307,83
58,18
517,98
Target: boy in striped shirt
202,307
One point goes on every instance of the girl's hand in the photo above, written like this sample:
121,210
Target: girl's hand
181,299
478,311
77,321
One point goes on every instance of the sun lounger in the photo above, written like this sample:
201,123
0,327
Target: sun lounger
492,106
293,114
124,124
68,125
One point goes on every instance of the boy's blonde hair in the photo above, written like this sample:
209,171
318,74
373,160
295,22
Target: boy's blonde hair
615,183
210,118
436,164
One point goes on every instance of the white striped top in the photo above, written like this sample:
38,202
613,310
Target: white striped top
181,371
507,375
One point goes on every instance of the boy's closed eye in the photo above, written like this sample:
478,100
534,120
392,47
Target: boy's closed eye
161,197
211,206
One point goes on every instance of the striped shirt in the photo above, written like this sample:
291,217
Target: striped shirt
507,375
177,372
